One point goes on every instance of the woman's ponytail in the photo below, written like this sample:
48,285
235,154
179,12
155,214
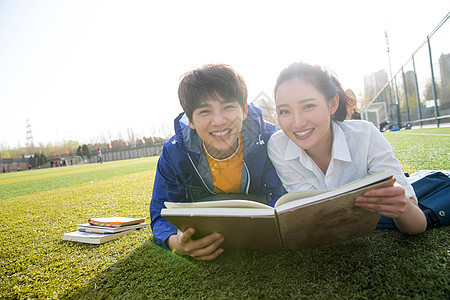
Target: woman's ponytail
344,102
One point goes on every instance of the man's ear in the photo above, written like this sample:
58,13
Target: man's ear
191,124
334,104
245,110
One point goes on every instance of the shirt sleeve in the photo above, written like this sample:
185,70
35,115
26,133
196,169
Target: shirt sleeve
381,157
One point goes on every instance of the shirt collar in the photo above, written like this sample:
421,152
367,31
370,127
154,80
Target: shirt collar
340,149
292,151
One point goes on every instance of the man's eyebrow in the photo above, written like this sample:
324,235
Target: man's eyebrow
228,101
204,104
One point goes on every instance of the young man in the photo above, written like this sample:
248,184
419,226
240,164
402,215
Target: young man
219,147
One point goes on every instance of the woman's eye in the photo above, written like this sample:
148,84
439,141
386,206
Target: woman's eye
307,106
283,112
203,112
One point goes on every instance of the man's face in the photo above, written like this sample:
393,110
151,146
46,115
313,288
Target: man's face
219,123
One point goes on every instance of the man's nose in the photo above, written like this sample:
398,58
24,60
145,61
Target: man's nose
218,118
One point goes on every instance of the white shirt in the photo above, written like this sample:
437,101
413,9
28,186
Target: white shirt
358,150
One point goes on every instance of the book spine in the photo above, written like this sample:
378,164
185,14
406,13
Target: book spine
92,231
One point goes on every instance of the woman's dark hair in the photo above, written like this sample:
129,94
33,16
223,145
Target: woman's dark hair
322,80
215,81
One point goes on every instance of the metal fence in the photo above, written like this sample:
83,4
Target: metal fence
22,164
418,93
125,153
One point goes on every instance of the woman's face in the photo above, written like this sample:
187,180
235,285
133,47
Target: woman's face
304,114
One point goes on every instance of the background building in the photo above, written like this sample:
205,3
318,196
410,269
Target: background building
374,83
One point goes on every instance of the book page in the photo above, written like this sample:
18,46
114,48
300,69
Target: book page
217,204
218,212
297,196
113,220
286,205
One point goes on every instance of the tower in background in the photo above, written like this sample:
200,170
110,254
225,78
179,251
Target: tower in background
30,142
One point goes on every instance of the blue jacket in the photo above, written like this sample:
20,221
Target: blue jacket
183,175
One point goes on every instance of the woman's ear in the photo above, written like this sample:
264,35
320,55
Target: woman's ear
334,104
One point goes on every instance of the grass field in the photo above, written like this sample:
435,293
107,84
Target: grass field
38,206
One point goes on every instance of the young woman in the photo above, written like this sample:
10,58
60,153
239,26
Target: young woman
318,150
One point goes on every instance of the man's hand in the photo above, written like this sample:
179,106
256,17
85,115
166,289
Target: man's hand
205,248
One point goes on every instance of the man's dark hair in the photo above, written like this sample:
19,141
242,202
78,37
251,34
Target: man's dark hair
216,81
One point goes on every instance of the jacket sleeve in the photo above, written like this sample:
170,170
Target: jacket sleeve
270,177
166,187
273,183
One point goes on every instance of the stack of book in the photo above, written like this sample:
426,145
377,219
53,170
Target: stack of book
102,230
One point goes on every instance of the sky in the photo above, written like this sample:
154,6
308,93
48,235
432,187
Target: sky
94,71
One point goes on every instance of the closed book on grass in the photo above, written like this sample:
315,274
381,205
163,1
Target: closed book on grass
93,238
104,229
114,221
298,220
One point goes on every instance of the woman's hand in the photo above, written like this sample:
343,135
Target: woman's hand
205,248
387,201
391,202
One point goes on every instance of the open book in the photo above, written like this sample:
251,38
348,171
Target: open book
298,220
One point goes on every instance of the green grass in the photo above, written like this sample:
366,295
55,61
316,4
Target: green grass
22,183
38,207
421,149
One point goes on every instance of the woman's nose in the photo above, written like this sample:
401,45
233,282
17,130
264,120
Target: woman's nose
299,121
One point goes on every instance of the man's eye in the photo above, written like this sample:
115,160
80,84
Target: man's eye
307,106
283,112
203,112
231,106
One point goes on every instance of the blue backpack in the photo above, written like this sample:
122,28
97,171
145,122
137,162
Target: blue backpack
432,189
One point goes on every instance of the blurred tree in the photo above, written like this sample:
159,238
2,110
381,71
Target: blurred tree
86,151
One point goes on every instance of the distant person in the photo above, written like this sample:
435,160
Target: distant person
4,169
383,125
317,150
355,115
99,156
219,147
352,109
